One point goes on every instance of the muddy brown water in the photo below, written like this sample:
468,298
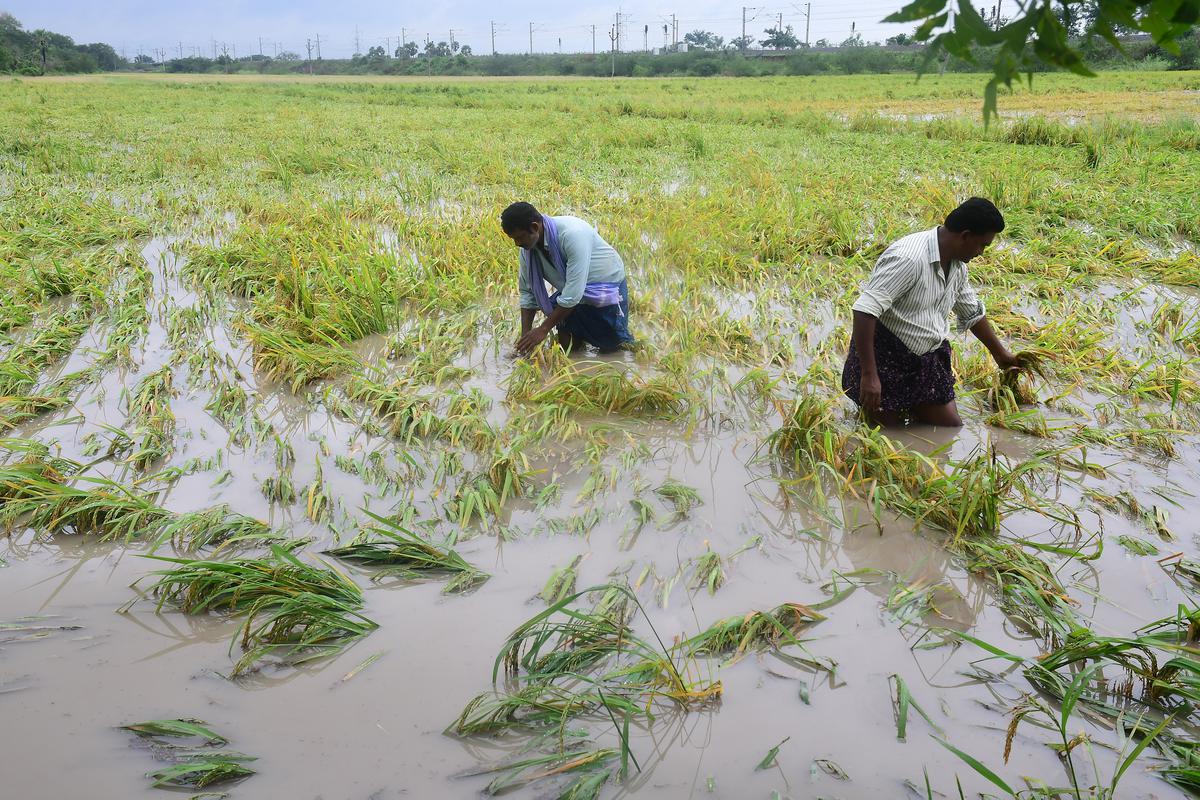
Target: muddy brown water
379,734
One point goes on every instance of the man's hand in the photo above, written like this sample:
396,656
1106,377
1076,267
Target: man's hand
529,341
870,391
1006,361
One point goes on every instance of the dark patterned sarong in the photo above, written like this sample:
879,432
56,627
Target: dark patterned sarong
907,379
603,327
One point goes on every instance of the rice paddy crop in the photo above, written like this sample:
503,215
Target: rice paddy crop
238,310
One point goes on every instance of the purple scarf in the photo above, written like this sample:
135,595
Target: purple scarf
598,294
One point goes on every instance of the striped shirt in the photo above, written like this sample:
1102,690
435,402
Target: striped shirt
589,259
910,293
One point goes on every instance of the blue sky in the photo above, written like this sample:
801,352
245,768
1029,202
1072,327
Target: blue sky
136,25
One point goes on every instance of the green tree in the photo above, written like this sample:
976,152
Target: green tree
780,39
1040,33
703,40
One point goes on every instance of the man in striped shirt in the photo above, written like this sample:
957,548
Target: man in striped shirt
899,360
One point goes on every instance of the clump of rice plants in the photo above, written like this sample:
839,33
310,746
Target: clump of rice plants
23,363
680,496
293,610
809,440
601,388
406,414
35,494
318,501
566,662
191,767
593,769
150,412
397,551
561,583
483,493
757,630
280,488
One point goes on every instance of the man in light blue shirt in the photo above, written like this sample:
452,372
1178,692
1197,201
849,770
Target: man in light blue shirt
592,302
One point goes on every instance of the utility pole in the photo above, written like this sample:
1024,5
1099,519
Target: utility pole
807,20
646,38
260,52
402,42
593,40
452,40
531,38
674,32
181,49
612,36
318,47
560,45
309,44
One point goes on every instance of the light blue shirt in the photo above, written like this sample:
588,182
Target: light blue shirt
589,259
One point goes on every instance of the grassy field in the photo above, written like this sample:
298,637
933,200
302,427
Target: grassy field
258,330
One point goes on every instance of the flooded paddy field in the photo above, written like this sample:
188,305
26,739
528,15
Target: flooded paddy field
267,463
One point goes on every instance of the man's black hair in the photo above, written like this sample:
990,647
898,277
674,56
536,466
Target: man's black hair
976,215
519,217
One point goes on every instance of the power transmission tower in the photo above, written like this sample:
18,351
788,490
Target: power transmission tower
357,47
452,40
260,52
308,42
318,47
493,37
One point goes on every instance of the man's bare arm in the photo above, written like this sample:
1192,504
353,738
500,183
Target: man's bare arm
870,391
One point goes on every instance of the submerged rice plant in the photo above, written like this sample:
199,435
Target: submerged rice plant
150,413
292,610
397,551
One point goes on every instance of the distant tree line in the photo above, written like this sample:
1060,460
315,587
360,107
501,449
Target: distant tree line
707,55
779,52
42,52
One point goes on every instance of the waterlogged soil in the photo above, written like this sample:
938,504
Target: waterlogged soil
104,655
